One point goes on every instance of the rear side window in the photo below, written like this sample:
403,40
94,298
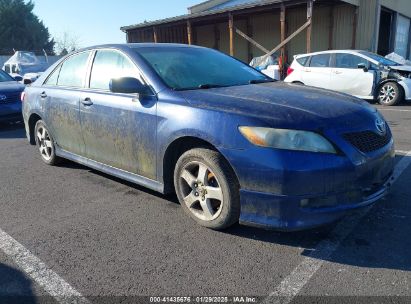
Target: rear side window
320,61
303,60
52,80
73,71
110,64
349,61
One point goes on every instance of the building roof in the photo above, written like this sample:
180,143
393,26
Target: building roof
221,7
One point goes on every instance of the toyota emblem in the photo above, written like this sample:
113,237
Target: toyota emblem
381,126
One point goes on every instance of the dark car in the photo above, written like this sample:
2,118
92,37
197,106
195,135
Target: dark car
10,93
233,144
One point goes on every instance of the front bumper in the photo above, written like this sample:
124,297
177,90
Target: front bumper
289,190
10,112
406,85
287,213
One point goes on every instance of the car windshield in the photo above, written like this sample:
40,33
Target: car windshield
183,68
5,77
380,59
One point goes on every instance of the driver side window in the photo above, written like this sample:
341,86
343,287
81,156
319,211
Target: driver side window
108,65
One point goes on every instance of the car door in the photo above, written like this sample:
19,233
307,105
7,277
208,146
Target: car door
119,130
318,72
60,97
348,78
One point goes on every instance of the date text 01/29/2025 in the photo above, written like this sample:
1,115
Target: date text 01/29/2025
239,299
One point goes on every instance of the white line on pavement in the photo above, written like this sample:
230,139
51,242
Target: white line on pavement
395,110
51,282
289,288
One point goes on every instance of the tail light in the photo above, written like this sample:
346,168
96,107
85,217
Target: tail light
23,96
289,71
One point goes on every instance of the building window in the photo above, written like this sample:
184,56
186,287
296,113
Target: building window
402,36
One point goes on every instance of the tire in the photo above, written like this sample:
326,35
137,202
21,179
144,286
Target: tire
207,188
45,144
390,94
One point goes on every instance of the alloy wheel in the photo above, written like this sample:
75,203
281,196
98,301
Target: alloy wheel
387,94
44,143
201,191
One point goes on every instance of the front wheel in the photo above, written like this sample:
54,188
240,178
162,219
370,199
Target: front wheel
390,94
45,144
207,188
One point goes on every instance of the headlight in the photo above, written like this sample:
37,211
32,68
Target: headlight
287,139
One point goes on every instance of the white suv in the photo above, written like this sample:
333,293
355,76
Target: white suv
362,74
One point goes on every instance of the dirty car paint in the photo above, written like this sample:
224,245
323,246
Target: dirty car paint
280,189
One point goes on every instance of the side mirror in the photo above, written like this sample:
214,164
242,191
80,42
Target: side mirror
27,81
18,78
363,66
127,85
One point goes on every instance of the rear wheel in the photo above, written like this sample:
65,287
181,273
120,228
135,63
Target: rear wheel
45,144
390,94
207,188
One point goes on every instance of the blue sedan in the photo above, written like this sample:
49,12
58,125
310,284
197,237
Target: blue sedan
234,145
10,103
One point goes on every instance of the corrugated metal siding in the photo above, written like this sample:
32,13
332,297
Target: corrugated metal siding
266,31
205,35
321,28
344,17
240,44
366,24
295,18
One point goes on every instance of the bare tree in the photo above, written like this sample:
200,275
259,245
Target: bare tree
66,43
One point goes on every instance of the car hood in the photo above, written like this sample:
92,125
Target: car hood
406,68
11,86
287,105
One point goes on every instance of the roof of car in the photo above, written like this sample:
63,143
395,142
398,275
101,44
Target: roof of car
138,45
331,52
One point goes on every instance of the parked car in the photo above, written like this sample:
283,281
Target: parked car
10,104
26,65
232,143
362,74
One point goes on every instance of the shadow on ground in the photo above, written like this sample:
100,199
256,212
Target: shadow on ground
15,287
12,130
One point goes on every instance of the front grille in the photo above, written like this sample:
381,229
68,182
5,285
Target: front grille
11,97
368,141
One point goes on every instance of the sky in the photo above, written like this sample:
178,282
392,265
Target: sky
93,22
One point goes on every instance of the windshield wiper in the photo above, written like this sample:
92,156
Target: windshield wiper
209,86
256,81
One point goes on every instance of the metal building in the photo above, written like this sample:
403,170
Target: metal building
247,28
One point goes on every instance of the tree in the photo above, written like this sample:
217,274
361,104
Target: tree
66,43
21,29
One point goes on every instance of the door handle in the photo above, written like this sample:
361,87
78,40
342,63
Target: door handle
337,72
87,102
43,95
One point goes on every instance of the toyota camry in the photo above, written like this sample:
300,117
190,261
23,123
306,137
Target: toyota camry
234,145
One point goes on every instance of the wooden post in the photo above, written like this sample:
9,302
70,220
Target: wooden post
309,28
354,28
155,35
282,53
189,33
231,30
331,30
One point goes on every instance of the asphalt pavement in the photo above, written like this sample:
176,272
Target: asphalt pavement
105,239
